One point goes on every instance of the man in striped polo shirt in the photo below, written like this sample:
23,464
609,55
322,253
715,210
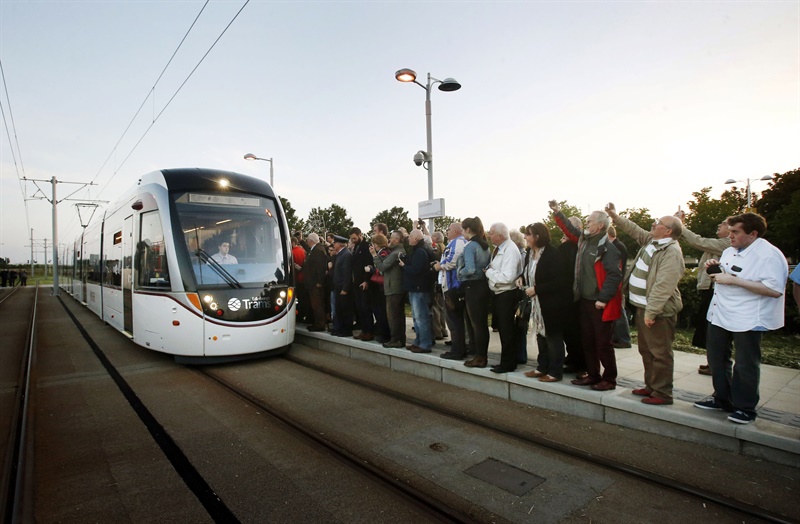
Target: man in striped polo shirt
652,283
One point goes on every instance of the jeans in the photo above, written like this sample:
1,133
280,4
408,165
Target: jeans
735,386
423,319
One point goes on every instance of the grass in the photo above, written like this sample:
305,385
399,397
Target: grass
777,348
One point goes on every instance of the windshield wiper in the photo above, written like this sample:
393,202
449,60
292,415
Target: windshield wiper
216,266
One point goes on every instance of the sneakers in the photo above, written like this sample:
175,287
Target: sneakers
741,417
709,403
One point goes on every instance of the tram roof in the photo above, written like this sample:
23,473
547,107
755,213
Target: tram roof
195,178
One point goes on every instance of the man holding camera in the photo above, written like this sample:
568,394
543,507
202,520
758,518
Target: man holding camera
749,287
652,283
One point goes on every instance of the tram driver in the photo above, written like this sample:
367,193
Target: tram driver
223,257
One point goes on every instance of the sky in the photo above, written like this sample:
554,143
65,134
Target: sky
639,103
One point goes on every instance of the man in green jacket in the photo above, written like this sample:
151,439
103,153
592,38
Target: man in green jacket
652,284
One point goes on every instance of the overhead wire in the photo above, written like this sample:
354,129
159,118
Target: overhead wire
156,117
21,165
150,91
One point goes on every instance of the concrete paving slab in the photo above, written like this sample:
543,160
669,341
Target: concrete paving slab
780,389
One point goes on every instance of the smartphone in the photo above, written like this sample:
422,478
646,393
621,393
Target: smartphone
713,270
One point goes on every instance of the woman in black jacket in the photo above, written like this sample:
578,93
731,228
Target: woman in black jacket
546,282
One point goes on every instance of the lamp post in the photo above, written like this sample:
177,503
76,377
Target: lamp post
749,193
425,158
251,156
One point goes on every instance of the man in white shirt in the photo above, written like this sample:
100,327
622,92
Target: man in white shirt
223,257
502,273
749,287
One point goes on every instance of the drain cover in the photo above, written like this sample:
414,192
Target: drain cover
505,476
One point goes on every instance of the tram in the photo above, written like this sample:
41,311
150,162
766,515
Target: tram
191,262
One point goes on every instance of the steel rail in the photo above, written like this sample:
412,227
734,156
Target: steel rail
17,499
432,507
576,453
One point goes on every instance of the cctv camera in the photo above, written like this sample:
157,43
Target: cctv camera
419,158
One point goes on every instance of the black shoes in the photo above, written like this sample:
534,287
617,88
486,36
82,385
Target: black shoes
502,369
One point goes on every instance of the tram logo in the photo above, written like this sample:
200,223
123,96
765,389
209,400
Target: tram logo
235,304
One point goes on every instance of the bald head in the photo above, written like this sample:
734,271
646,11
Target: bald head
415,236
667,227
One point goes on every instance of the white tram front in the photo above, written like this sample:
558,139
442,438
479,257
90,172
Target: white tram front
191,262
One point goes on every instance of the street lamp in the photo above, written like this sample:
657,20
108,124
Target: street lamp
251,156
425,158
749,193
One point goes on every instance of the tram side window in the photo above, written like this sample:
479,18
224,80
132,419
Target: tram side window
112,268
151,254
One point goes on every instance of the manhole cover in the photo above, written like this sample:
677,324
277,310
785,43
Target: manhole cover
505,476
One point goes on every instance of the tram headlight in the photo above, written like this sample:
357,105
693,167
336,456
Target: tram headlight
213,305
208,299
283,294
279,301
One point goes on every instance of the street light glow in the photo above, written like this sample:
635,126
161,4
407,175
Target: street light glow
250,156
406,75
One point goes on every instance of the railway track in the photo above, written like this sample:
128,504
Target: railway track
16,484
661,481
409,493
436,511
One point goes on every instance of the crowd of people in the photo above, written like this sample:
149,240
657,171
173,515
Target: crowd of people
8,277
573,301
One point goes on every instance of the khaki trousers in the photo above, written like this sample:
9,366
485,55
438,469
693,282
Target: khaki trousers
655,346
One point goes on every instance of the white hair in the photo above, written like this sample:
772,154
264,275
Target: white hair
313,238
501,229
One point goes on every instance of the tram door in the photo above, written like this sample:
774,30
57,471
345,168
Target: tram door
127,273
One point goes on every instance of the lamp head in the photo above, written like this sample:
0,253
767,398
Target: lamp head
449,84
730,181
766,177
250,156
406,75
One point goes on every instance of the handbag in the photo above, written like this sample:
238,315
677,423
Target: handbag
523,312
376,278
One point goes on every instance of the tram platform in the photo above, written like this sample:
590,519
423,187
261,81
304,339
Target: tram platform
774,436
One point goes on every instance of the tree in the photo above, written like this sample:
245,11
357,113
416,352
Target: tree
705,213
442,223
332,219
639,216
778,205
784,228
294,223
394,219
550,221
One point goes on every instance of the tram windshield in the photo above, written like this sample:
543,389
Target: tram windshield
232,239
